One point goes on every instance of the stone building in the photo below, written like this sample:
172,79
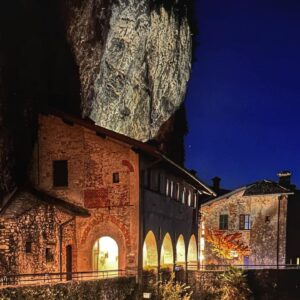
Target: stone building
246,226
97,200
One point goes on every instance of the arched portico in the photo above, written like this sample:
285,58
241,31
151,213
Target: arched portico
167,254
192,256
150,253
180,252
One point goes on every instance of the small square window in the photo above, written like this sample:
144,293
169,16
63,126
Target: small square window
28,247
60,173
116,177
49,255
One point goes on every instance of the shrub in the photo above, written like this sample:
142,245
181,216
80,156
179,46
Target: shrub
233,285
172,290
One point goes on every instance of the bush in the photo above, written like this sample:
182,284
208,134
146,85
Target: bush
172,290
233,285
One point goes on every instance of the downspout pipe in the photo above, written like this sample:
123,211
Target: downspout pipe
278,228
61,228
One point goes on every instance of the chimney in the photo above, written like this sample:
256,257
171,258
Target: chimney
216,183
284,178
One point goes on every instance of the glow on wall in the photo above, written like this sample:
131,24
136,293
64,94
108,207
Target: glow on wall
105,254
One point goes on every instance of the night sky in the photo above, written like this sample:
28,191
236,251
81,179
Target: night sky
243,101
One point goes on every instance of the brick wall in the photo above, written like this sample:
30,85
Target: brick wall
92,160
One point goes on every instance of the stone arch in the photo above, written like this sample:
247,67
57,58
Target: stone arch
128,164
192,256
167,253
94,232
180,252
150,253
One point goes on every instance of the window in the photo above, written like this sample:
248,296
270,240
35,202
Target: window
161,183
60,173
28,247
223,224
177,191
195,200
171,189
245,222
167,187
116,177
49,255
189,198
183,195
267,219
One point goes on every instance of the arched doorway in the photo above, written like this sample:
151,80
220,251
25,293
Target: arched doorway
180,252
150,255
192,257
166,255
105,254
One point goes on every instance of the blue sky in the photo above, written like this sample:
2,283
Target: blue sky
243,100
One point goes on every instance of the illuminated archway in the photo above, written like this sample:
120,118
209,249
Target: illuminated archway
105,254
166,255
192,257
180,251
150,255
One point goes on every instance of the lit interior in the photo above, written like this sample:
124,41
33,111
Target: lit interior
192,253
150,256
105,254
166,257
180,251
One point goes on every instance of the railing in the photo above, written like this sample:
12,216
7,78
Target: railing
44,278
247,267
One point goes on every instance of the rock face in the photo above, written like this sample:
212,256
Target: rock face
134,61
124,63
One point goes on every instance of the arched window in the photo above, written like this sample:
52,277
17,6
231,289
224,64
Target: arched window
105,254
150,255
166,255
180,251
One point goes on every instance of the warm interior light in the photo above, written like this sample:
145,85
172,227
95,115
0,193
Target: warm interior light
180,251
106,254
150,255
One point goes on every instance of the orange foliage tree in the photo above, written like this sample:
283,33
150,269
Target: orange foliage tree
226,245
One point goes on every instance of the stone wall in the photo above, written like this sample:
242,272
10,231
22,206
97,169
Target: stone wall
263,237
29,237
108,289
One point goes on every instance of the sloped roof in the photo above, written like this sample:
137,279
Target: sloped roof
32,197
259,188
135,144
265,187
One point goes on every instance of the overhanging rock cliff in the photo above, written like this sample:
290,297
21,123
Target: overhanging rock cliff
134,61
